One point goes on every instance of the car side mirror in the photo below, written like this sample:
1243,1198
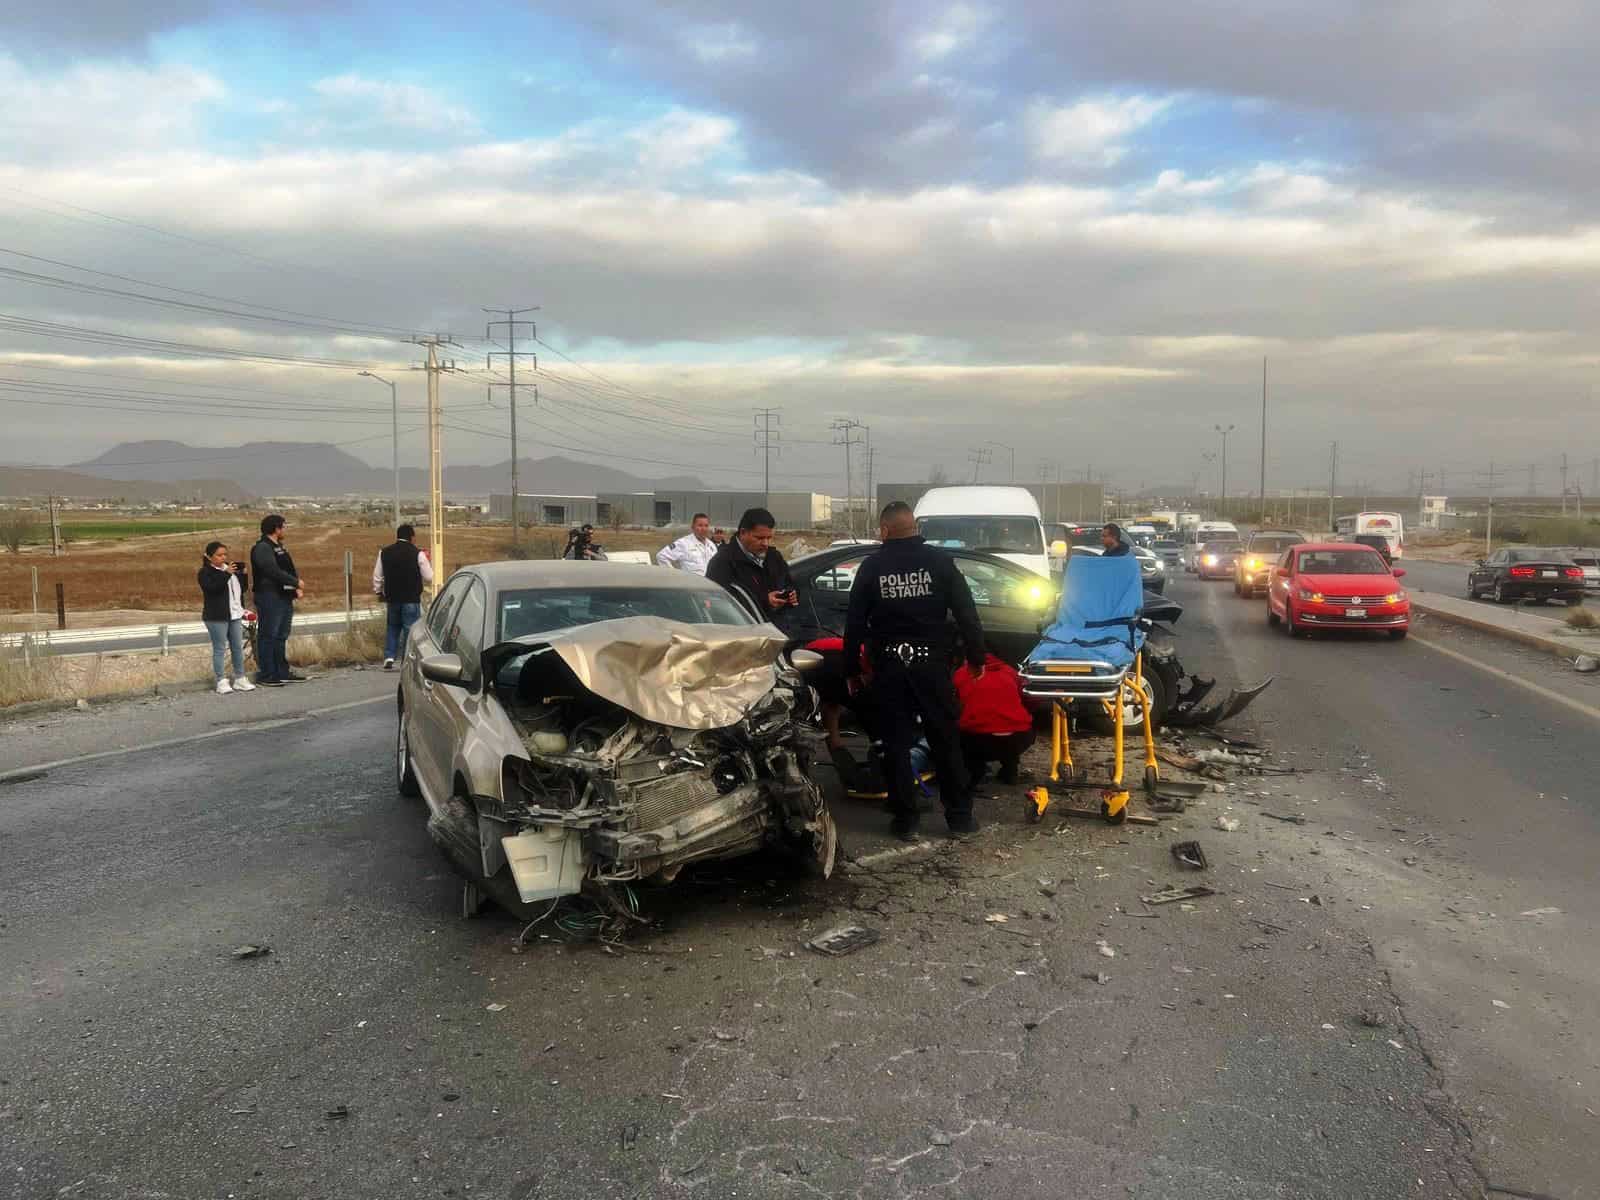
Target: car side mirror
1399,572
444,668
805,660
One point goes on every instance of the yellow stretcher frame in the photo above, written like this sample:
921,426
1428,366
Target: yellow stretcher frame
1113,799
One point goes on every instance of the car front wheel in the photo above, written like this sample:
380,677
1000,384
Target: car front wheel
405,773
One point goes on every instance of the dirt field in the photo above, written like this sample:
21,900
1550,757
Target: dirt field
149,579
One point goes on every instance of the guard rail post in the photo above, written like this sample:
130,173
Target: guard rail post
165,632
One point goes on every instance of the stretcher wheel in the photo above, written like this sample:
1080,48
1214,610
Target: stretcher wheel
1151,778
1034,805
1114,818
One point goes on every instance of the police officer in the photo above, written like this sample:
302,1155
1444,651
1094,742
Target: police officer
898,604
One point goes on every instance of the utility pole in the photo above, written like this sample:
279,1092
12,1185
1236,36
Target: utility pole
1013,452
978,456
1262,499
434,367
510,323
1333,485
1488,526
768,437
1422,486
845,433
394,416
1563,485
1224,433
55,530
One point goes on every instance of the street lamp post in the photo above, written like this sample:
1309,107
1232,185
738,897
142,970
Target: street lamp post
395,416
1225,433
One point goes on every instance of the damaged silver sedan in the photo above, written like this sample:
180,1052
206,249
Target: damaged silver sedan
574,725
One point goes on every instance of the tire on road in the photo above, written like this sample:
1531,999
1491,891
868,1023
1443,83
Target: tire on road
1158,693
405,772
1500,596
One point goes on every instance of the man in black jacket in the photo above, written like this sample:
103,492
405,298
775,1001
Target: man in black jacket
753,563
277,588
397,579
899,604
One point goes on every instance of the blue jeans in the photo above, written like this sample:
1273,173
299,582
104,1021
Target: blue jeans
225,635
401,618
274,618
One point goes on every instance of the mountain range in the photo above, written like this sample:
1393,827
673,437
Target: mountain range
39,482
320,469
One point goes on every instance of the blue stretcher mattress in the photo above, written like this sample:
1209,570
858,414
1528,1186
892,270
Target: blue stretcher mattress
1096,589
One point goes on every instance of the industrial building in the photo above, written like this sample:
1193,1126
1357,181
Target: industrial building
793,510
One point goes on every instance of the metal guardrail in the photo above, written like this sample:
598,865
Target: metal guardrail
87,639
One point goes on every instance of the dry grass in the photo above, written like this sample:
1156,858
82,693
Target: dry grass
157,574
90,676
1582,618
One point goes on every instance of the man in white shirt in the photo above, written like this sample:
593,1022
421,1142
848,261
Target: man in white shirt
693,551
397,579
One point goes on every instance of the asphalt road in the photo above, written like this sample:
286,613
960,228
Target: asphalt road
1483,895
1324,1027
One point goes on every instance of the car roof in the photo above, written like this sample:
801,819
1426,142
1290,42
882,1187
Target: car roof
552,573
977,501
820,557
1304,546
1278,533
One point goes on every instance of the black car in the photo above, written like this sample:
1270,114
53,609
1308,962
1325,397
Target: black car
1375,541
1527,573
1012,601
1216,559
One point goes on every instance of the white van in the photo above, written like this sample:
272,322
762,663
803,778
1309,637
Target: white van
1003,521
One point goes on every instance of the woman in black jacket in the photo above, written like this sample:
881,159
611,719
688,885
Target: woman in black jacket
222,586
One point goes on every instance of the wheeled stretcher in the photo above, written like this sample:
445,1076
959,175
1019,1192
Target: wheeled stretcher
1092,655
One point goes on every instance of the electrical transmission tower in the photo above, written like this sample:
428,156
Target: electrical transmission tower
511,324
849,434
768,438
978,456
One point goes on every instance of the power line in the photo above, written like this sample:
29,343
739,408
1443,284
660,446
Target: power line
162,346
768,437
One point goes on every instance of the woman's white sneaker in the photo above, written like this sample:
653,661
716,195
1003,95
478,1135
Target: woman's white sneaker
242,684
224,688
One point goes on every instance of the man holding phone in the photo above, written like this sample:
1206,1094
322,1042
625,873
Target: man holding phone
753,564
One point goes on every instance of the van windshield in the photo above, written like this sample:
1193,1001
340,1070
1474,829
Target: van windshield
990,535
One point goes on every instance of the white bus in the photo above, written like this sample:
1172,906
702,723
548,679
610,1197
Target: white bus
1384,524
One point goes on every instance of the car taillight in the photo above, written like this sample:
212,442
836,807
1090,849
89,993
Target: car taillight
1523,572
1574,572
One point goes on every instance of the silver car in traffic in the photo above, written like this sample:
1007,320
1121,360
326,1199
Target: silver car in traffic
574,725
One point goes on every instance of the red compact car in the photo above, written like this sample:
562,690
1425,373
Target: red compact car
1337,586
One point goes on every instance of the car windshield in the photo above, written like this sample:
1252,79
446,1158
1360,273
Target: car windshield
527,611
1342,562
1273,545
1220,548
992,535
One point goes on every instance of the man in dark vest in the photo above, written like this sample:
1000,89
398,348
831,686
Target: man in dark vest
397,579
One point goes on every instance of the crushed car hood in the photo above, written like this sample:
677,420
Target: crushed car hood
675,674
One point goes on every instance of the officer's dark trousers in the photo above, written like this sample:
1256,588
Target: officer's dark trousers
902,692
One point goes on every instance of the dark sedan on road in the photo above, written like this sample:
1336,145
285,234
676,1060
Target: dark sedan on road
1216,560
1011,600
1527,573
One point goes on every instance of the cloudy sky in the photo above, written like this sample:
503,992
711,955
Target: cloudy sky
1073,230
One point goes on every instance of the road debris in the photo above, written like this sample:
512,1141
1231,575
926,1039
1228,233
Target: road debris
1173,894
251,951
1231,758
1099,977
1540,912
495,1007
938,1139
1373,1019
1290,819
1586,664
845,939
1227,824
996,919
724,1037
1189,854
338,1113
1499,1004
1105,949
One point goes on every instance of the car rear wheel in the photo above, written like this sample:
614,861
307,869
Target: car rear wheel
1500,596
405,773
